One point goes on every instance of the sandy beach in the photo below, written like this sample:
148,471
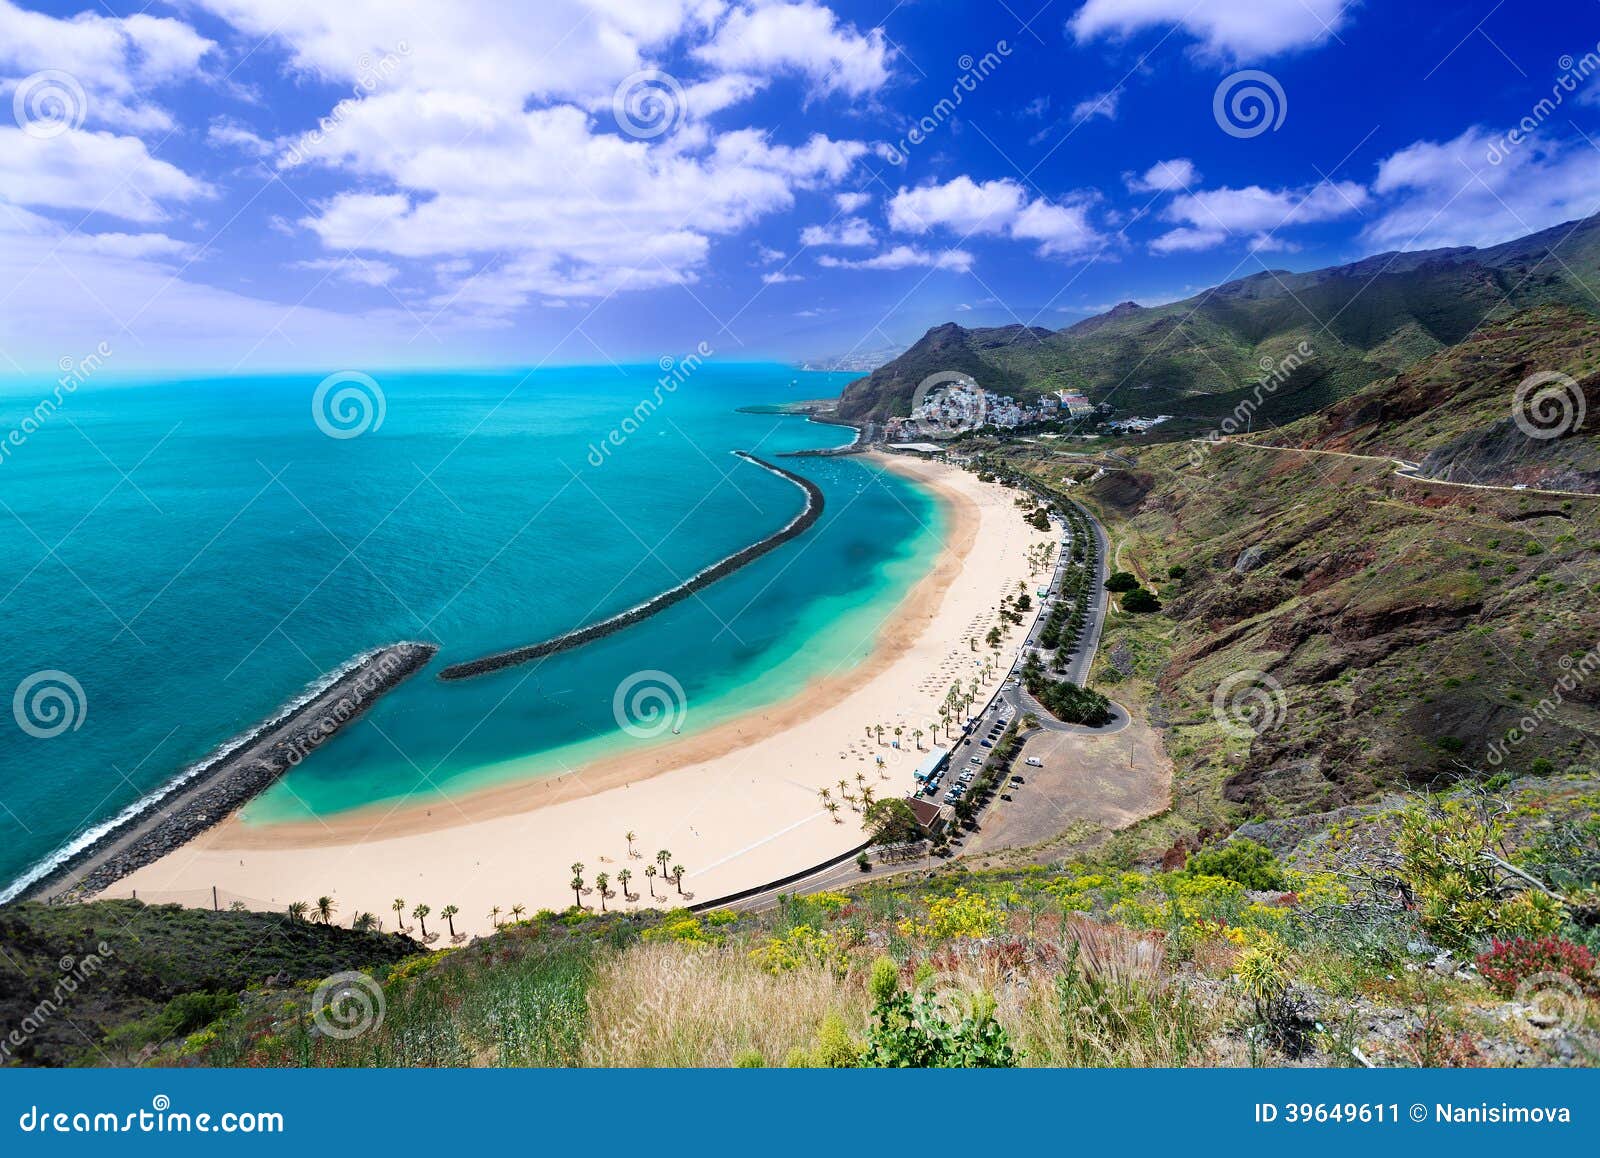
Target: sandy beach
737,804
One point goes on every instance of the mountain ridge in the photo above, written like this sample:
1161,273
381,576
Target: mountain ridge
1364,320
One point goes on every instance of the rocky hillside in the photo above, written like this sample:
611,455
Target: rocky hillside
1456,413
1339,630
1202,356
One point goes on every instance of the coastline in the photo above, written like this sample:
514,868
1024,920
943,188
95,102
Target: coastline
216,787
755,777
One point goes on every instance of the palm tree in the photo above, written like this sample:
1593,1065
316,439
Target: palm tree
833,810
298,911
366,923
577,880
650,876
844,786
399,908
916,734
494,916
825,795
878,728
577,891
601,880
517,910
662,858
869,731
861,777
623,878
326,907
677,877
632,836
866,797
421,914
449,914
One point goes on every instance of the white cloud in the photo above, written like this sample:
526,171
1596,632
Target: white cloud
804,38
905,257
1102,104
1184,240
996,208
91,171
362,271
852,231
767,255
228,133
1448,193
116,61
492,134
778,277
850,202
961,204
1210,217
1164,177
1234,30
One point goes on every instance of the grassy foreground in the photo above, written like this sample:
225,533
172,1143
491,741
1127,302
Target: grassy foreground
1393,939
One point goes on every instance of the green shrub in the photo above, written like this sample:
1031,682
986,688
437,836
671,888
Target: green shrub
1121,581
1242,861
1139,599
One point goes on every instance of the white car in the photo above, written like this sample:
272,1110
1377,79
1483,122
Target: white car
1034,762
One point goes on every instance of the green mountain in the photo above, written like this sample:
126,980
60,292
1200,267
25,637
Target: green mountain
1202,356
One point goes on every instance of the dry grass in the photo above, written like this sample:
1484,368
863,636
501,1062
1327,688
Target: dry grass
669,1004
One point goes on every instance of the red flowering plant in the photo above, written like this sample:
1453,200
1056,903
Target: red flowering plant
1508,963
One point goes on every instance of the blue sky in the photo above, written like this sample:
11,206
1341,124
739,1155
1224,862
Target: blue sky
249,184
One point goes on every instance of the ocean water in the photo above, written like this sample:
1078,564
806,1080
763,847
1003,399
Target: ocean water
194,552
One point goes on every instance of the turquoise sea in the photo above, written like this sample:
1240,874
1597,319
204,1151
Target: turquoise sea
194,552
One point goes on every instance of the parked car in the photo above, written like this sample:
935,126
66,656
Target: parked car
974,759
985,743
1034,762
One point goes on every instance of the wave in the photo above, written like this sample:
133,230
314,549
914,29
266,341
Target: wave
89,837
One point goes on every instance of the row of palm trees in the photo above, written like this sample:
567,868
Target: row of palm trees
323,910
325,907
